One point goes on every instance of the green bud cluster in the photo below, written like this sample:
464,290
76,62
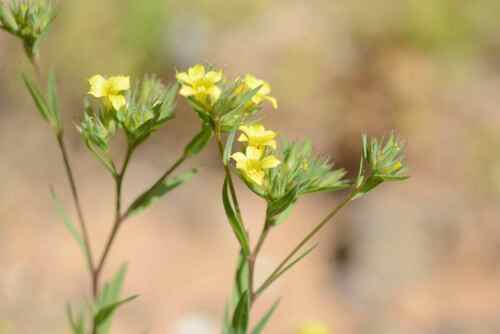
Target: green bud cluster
150,106
302,172
381,160
28,20
234,107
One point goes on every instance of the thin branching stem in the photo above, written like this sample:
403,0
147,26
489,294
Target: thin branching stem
162,178
253,258
117,221
76,199
276,273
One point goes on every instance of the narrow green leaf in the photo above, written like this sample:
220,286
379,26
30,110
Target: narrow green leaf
110,295
157,191
265,319
229,146
68,223
199,142
77,325
53,102
38,98
234,221
241,277
241,314
107,311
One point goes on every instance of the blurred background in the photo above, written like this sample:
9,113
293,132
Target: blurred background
420,256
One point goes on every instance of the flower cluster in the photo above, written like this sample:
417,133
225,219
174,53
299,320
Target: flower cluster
139,110
256,159
205,86
381,160
200,84
217,100
29,20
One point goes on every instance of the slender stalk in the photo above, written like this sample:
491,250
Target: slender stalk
76,199
311,234
34,60
117,222
253,258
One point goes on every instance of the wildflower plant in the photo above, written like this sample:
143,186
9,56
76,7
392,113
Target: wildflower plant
138,108
278,171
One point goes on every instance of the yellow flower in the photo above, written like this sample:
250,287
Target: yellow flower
314,328
110,89
252,82
256,135
200,84
253,164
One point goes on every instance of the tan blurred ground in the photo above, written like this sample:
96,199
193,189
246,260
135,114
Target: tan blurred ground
416,257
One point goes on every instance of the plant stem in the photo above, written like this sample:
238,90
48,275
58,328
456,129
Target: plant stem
253,258
117,222
311,234
34,60
76,199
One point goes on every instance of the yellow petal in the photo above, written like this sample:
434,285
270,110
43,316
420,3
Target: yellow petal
314,328
241,160
265,89
119,83
196,72
272,144
97,86
183,77
187,91
253,153
273,101
257,176
238,157
253,130
214,93
251,81
256,99
243,138
213,76
118,101
244,128
270,162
